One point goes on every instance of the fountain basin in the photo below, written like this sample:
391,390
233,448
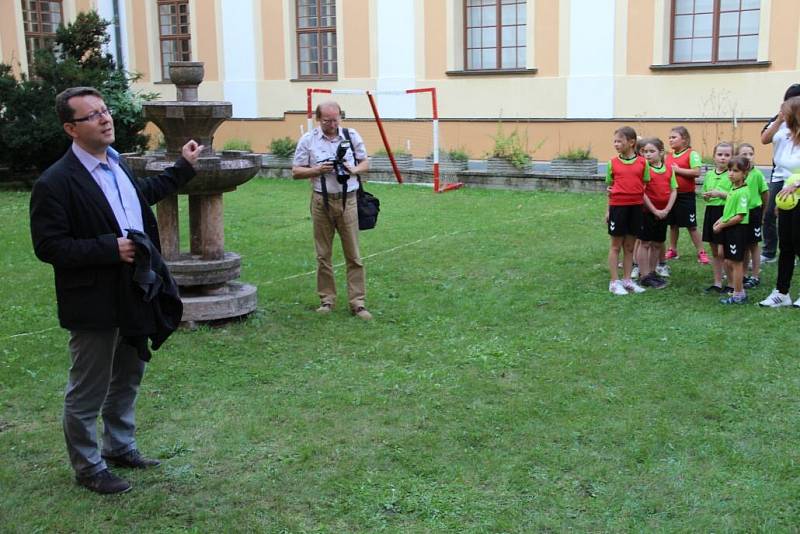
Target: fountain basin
214,174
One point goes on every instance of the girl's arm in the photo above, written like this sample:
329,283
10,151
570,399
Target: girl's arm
736,219
769,131
650,205
686,173
671,202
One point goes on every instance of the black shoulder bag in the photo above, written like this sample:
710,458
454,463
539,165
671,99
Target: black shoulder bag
368,205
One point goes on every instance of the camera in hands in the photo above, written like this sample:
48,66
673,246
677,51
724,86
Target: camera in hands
342,174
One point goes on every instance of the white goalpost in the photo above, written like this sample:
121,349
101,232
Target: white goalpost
438,186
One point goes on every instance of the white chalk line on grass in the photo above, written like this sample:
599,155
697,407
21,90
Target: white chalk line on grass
341,264
374,254
23,334
394,249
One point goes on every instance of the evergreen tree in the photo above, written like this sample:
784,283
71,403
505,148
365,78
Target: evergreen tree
30,134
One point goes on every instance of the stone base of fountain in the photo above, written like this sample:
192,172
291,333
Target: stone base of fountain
226,301
193,270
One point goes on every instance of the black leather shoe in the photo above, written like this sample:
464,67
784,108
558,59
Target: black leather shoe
104,482
131,459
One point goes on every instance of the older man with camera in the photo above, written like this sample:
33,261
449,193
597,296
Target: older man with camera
327,155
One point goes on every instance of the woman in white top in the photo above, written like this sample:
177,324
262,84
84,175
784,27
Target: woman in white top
785,131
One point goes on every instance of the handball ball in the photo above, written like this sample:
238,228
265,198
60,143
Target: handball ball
789,202
786,203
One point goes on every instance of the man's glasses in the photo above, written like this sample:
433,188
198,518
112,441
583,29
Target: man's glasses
94,116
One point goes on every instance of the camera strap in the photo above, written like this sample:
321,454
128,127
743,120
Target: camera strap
346,132
324,185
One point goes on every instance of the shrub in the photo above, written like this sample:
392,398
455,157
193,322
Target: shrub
30,133
282,147
576,154
395,152
455,154
239,144
510,147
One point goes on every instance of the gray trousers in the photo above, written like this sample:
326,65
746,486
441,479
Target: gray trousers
103,380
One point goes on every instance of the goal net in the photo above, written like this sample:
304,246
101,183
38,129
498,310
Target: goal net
417,137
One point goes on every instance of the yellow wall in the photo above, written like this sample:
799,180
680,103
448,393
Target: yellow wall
546,39
356,15
272,40
205,37
784,29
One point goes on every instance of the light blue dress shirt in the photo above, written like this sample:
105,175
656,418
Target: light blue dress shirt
116,187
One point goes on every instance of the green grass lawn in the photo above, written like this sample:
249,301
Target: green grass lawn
501,388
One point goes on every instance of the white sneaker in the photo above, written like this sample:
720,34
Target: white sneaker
663,270
635,272
776,299
632,287
796,303
617,288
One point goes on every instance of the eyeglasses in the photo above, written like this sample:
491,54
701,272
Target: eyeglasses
94,116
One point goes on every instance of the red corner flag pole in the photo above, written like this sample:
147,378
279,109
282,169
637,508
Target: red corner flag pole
383,137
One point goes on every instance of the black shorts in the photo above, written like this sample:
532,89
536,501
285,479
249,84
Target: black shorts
625,220
653,229
754,230
684,211
713,213
735,241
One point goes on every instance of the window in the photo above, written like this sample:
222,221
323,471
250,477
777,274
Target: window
173,31
494,34
316,39
40,20
715,31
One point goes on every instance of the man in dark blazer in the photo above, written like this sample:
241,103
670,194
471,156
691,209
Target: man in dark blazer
81,209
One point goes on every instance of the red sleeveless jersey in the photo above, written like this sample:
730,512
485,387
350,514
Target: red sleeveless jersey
627,179
682,160
659,188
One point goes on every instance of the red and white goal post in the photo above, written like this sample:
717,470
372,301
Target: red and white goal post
438,186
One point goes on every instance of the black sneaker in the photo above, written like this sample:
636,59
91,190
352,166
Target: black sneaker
728,290
131,459
104,482
752,282
713,289
656,282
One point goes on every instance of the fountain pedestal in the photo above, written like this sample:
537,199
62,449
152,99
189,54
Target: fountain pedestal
206,274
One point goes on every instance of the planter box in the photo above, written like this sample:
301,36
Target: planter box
271,160
275,167
403,161
446,165
503,166
580,167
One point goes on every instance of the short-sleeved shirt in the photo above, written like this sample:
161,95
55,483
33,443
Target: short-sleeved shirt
786,155
314,147
687,159
757,184
716,181
736,204
660,187
627,178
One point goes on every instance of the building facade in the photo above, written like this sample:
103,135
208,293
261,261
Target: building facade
564,73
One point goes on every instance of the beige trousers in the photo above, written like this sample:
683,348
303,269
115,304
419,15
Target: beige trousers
326,223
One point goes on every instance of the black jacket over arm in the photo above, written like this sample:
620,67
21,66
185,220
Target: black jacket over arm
73,228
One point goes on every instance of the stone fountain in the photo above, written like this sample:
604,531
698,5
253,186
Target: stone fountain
206,274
